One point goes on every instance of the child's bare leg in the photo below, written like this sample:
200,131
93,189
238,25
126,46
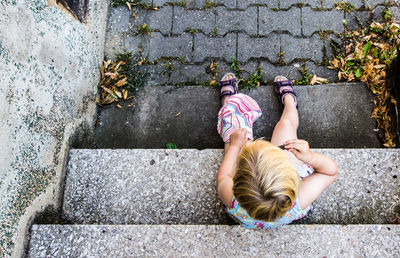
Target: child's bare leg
286,128
223,101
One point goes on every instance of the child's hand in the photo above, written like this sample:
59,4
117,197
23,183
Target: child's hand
300,149
238,138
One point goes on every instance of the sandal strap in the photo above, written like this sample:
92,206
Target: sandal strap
284,92
232,83
226,93
291,92
280,84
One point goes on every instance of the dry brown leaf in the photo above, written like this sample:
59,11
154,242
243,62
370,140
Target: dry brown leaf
335,63
321,80
313,80
112,75
379,66
119,106
129,6
125,93
121,82
118,93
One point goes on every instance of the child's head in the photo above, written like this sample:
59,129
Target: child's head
266,181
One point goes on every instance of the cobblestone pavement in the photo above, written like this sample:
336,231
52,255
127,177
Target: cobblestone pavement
278,37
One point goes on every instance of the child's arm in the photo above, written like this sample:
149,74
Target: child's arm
227,169
325,171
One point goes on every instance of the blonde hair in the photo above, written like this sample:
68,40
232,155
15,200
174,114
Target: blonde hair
265,183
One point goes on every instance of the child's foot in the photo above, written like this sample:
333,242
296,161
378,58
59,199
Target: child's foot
284,88
228,86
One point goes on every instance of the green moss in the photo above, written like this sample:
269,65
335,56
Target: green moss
210,4
143,29
345,7
180,3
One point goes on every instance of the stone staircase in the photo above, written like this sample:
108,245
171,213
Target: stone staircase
132,197
164,203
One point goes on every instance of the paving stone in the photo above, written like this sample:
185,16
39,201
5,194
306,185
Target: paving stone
154,127
177,46
321,71
159,186
395,13
270,71
184,19
160,20
119,19
236,20
231,4
285,4
194,73
315,21
378,13
373,3
198,4
214,241
114,44
243,4
248,69
136,43
158,75
304,48
214,47
358,19
280,21
268,47
331,3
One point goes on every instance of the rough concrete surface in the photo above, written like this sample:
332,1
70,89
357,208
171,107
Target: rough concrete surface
331,116
178,187
49,73
214,241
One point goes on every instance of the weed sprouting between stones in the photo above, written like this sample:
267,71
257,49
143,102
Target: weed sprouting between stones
133,3
345,7
143,29
253,81
305,77
210,4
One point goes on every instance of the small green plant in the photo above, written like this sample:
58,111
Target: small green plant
253,81
387,15
144,29
324,34
181,59
210,4
191,30
305,77
345,7
215,31
182,3
281,56
168,65
235,67
171,145
116,3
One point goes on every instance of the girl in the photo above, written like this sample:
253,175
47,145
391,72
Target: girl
267,184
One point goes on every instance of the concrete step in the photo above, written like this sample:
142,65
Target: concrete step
331,116
214,241
178,187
